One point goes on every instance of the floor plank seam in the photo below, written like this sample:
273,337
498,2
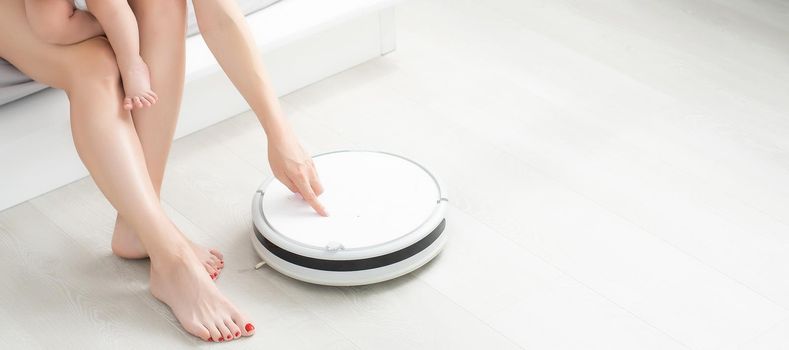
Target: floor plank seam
581,283
763,333
569,187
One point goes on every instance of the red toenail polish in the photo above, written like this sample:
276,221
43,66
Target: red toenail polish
238,333
228,337
249,327
210,339
221,339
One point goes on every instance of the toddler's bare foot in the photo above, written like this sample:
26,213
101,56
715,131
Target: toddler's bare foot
125,244
136,84
179,281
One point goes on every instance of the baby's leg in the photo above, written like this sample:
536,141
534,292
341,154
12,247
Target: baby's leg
120,26
56,22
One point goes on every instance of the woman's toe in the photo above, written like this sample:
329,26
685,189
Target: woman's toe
216,253
214,261
137,102
226,334
215,334
212,264
233,327
211,271
249,328
242,322
209,268
198,330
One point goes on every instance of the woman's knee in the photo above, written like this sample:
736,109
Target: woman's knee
171,12
172,9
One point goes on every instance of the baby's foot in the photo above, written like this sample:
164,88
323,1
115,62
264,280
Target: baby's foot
125,244
179,281
137,84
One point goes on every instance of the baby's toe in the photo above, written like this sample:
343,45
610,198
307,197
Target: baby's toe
145,102
127,104
151,97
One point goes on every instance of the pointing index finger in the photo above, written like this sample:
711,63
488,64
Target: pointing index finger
305,189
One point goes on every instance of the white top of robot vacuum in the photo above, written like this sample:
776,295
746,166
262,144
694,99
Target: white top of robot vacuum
372,197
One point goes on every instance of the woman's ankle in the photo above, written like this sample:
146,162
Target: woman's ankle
174,248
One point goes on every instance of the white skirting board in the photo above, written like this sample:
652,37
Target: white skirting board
37,153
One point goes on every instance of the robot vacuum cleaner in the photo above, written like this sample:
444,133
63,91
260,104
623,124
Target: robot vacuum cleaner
386,219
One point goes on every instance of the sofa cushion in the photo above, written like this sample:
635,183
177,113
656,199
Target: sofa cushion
15,85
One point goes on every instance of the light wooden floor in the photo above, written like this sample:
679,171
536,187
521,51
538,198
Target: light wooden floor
618,174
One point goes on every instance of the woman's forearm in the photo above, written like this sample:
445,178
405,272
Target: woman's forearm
225,31
227,35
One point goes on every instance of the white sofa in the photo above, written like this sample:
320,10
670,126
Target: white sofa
302,41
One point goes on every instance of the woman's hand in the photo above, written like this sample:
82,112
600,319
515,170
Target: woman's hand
295,169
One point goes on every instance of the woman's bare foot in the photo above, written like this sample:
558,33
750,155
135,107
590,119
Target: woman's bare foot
179,281
136,83
125,244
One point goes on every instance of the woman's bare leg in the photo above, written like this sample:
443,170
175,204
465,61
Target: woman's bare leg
110,148
162,40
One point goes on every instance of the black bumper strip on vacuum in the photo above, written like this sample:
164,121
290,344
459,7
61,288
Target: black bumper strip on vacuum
352,265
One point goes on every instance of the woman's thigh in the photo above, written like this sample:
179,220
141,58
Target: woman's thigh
54,65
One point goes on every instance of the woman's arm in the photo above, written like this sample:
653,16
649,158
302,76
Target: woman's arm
227,35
